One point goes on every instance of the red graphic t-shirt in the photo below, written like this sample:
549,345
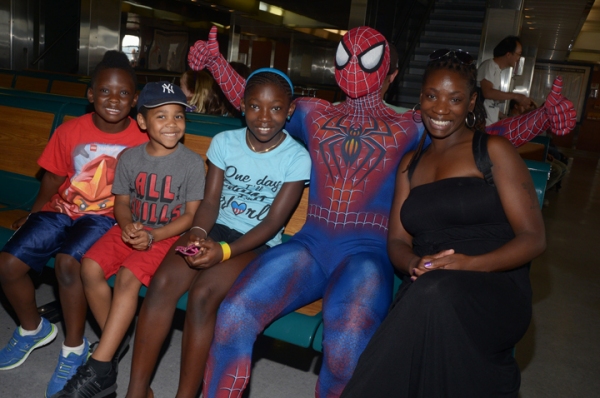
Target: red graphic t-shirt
88,157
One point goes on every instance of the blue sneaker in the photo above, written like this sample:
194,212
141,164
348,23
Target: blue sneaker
19,347
66,368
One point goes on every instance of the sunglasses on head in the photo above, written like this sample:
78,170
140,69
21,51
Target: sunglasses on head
462,56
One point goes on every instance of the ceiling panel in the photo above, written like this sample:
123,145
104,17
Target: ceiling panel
553,26
587,44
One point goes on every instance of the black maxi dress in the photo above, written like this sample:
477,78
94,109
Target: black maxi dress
451,333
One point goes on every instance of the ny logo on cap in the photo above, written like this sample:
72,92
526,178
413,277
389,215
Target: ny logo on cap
168,88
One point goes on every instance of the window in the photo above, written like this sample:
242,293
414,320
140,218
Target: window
131,47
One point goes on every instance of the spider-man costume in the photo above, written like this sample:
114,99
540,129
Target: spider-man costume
340,253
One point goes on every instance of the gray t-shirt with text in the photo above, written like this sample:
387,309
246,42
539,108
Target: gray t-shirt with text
159,186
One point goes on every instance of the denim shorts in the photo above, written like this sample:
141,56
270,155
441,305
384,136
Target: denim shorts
47,233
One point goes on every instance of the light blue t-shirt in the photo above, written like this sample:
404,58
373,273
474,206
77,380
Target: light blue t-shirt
252,180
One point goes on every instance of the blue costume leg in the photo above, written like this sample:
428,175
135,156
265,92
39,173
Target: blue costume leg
285,278
356,301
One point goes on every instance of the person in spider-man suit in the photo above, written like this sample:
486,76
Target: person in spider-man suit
340,253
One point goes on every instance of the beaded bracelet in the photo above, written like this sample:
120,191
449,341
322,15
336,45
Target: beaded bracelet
226,251
150,239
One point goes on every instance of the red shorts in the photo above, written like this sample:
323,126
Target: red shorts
111,253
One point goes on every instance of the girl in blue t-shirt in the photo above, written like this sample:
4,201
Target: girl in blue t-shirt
256,176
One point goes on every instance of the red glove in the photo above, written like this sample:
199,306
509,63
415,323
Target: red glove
204,53
561,113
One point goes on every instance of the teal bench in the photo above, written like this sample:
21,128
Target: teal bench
45,82
57,83
540,172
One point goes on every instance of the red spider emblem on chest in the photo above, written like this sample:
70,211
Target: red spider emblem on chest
353,150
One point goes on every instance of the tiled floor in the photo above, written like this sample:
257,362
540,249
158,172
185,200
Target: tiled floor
559,356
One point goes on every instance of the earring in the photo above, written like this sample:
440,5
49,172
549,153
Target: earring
289,117
414,112
243,113
472,124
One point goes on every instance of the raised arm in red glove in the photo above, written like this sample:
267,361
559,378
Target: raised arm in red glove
205,54
557,114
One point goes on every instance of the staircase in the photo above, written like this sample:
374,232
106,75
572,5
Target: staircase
453,24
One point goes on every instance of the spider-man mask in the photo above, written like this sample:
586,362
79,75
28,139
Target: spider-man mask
362,61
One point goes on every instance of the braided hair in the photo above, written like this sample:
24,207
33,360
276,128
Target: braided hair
114,60
263,78
469,73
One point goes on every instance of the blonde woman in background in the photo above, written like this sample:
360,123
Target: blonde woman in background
204,95
196,86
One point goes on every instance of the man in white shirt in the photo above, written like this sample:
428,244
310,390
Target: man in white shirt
506,54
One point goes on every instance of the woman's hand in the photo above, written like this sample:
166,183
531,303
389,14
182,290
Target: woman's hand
210,254
432,262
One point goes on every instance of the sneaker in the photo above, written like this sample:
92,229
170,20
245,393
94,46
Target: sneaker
66,368
88,384
19,347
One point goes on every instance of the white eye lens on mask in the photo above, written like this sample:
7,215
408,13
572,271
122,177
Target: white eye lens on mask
371,59
342,56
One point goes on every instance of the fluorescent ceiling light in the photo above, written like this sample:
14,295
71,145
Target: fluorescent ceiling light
270,9
137,5
337,31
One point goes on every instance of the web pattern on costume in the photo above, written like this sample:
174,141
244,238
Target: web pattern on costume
236,390
345,146
352,79
557,114
351,148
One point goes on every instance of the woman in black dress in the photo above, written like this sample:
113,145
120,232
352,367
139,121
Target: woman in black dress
464,224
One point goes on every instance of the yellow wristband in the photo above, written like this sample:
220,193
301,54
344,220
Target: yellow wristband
226,251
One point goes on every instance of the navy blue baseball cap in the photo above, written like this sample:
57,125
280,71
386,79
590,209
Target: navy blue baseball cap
160,93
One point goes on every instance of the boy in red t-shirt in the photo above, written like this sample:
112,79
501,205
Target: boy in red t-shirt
73,209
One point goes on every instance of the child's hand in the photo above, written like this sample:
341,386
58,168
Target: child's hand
210,254
195,239
131,231
193,247
136,236
18,223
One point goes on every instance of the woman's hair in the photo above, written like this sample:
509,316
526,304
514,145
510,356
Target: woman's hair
259,78
217,104
199,84
469,73
207,97
114,60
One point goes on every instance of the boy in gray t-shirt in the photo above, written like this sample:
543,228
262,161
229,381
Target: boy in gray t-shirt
158,187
